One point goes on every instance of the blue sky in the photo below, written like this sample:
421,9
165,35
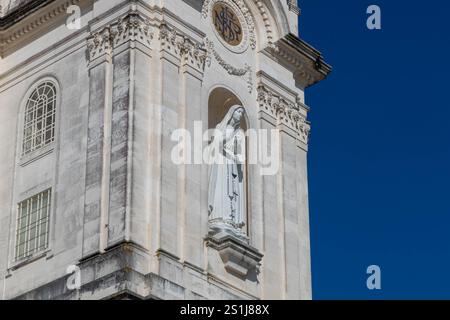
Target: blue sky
379,162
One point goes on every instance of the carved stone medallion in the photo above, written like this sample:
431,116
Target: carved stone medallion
227,24
230,25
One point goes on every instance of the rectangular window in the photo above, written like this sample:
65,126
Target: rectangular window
33,225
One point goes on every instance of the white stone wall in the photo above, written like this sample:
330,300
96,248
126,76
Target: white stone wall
63,169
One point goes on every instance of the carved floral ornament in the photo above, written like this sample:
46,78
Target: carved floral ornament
286,112
182,46
134,27
240,72
131,27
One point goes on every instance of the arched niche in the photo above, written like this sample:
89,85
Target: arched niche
220,101
231,241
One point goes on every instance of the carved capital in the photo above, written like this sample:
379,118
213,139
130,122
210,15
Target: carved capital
183,47
100,43
286,112
131,27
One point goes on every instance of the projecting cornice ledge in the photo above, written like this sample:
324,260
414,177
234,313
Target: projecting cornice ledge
22,11
307,64
30,18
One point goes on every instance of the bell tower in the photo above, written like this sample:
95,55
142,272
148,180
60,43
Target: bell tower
229,221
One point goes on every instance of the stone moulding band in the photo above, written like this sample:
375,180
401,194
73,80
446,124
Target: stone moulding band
9,34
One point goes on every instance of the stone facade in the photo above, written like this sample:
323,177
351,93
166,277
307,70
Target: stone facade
135,223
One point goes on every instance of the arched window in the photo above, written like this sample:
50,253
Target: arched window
39,120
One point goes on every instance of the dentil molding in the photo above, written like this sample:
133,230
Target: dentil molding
11,34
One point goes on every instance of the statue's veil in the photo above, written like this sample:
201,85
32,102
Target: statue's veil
226,120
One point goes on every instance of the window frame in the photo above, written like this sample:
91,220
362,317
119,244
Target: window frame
26,158
40,118
36,251
13,263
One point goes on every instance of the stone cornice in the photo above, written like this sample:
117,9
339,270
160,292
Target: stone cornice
292,5
21,12
306,62
11,32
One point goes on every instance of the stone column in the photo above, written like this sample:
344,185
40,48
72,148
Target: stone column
112,53
170,59
99,142
303,130
192,216
288,197
142,139
131,43
273,277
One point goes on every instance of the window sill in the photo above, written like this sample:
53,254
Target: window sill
36,155
31,259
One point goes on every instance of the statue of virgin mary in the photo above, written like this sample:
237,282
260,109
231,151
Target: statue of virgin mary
226,197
